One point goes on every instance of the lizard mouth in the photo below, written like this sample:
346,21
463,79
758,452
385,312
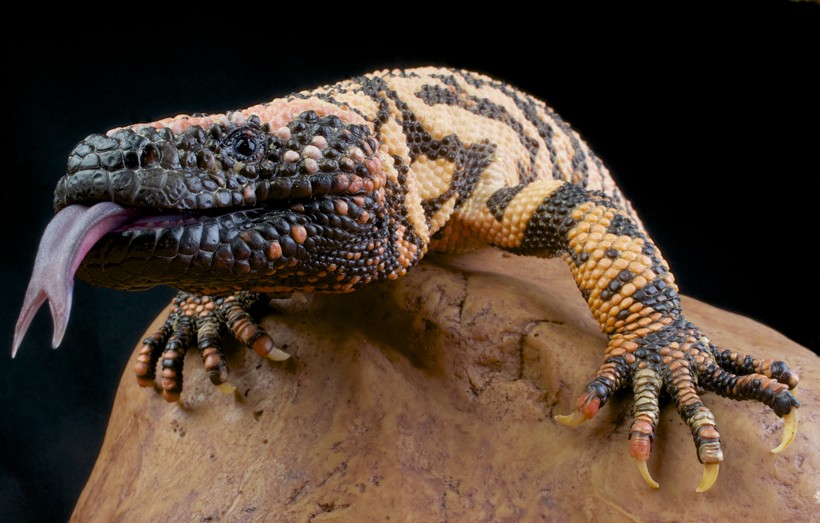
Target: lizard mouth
142,219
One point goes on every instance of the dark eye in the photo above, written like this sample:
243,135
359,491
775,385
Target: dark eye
246,144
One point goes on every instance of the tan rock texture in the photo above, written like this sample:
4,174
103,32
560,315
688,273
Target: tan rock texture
431,399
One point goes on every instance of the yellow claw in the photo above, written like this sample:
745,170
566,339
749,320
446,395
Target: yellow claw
645,474
710,474
571,420
789,431
226,388
277,355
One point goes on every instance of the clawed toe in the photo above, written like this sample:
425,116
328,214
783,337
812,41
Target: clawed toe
234,310
226,388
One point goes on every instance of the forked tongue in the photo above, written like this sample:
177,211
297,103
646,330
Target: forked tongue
66,241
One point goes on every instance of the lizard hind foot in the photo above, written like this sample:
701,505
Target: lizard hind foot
677,359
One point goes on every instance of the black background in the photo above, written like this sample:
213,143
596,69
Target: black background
708,121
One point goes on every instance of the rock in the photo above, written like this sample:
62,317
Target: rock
431,399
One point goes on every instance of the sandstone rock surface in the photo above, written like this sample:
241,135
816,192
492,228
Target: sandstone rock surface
431,399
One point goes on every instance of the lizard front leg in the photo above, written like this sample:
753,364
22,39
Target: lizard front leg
633,296
202,320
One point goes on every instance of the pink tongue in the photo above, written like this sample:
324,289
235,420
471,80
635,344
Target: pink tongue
68,238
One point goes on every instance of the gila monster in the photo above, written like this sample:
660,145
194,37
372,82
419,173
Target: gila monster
353,183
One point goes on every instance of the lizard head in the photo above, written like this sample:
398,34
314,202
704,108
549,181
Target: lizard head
205,163
261,199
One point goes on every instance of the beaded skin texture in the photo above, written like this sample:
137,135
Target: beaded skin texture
353,183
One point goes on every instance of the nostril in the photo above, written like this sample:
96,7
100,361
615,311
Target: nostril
125,149
131,160
150,155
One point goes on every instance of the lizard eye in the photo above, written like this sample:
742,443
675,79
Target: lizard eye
246,144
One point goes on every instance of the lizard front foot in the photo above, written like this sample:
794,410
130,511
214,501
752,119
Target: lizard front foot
201,320
678,359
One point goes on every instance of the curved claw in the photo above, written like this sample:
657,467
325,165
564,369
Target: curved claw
276,354
710,474
226,388
789,431
645,474
571,420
